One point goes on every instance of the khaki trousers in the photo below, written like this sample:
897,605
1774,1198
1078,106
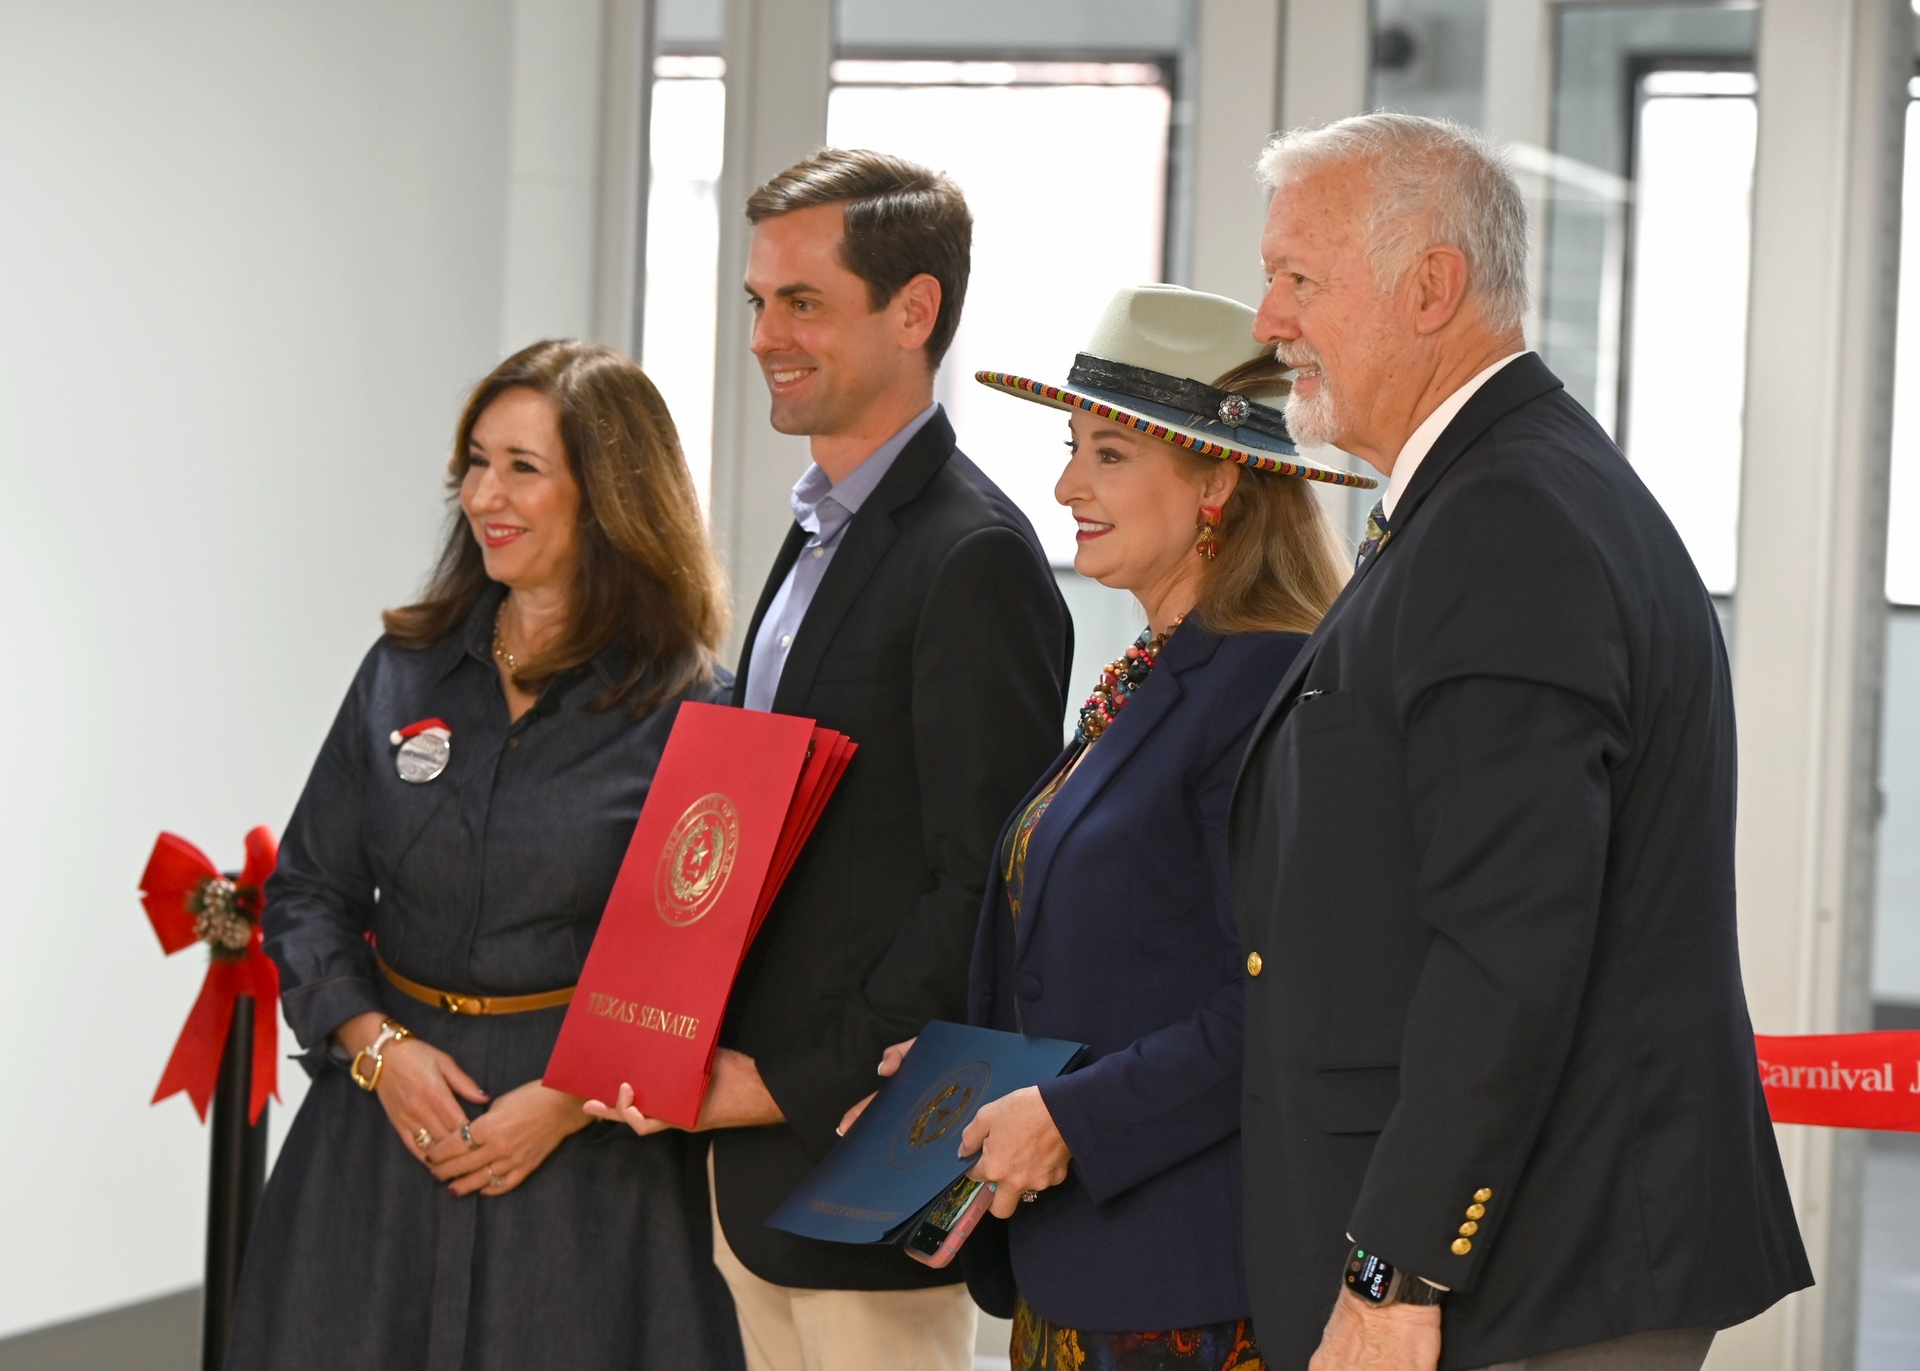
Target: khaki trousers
1673,1349
787,1329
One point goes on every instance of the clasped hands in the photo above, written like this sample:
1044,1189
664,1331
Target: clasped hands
1021,1150
495,1152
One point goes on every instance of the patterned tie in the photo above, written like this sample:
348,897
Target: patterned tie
1378,531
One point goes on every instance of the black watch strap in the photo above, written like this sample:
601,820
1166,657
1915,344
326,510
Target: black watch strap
1375,1280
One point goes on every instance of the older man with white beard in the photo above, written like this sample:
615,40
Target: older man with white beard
1501,1105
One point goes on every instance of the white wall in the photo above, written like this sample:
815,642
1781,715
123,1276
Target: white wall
252,253
552,193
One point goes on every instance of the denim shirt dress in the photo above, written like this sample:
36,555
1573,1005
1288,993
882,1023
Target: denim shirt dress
487,880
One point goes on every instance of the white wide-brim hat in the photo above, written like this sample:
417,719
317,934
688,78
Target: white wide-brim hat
1150,365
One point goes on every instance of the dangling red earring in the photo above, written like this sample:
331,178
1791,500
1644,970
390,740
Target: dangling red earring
1209,544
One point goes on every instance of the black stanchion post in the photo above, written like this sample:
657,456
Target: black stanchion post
237,1173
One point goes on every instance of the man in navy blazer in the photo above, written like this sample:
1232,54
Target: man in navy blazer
1499,1070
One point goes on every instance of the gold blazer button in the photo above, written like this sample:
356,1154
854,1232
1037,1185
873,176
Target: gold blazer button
1462,1246
1254,963
1482,1196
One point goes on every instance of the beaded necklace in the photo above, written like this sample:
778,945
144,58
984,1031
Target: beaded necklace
1120,678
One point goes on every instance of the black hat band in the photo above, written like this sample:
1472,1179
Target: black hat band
1209,406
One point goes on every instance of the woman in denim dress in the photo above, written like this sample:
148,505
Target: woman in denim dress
435,1205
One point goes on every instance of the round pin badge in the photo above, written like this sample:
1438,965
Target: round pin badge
425,748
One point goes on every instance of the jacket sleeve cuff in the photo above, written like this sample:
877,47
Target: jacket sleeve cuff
1106,1170
314,1011
814,1094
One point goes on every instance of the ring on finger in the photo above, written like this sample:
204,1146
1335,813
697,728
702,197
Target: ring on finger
422,1139
466,1133
1029,1196
493,1177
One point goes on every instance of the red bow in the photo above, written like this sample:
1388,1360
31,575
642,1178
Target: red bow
189,901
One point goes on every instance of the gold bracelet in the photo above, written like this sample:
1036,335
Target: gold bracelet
390,1032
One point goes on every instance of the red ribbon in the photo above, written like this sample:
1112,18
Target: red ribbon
1843,1080
178,873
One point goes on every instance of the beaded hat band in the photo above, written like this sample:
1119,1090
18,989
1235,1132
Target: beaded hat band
1120,410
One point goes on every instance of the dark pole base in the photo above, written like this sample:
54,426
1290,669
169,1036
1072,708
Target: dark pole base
237,1173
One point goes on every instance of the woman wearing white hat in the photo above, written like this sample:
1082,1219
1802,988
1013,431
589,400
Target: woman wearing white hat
1108,921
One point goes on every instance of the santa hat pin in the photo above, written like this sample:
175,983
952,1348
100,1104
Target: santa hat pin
425,748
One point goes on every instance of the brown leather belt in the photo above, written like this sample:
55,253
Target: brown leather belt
473,1004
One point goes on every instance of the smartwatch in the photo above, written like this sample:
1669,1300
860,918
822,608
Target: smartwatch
1374,1280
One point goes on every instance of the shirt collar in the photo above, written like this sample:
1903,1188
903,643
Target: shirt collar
475,638
823,508
1421,443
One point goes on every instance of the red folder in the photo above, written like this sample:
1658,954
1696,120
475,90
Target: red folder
735,797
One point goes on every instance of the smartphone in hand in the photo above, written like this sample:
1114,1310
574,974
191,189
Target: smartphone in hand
936,1238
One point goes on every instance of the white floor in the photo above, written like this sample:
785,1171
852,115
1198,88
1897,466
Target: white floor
1890,1256
990,1347
166,1331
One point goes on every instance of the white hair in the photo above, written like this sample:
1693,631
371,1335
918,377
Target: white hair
1434,182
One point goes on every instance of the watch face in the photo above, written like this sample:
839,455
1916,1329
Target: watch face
1369,1277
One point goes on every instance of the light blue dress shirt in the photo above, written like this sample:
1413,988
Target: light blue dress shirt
824,510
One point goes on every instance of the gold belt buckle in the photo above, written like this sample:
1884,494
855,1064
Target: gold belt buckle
462,1004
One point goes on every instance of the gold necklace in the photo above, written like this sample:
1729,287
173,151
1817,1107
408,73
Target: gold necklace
500,653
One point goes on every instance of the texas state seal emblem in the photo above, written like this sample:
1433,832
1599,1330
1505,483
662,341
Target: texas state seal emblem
696,860
944,1108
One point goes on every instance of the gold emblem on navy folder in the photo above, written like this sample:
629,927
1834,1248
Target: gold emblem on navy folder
942,1105
902,1154
697,859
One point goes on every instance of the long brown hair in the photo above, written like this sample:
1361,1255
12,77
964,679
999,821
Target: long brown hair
646,580
1281,562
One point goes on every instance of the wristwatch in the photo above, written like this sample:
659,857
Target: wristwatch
1374,1280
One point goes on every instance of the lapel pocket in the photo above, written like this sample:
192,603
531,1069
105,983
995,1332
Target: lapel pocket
1316,711
1354,1099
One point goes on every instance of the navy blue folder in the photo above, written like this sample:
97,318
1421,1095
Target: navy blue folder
905,1149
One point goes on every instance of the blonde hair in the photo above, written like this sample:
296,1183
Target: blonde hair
1281,562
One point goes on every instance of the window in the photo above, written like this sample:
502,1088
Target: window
1903,512
1429,57
683,247
1052,239
1639,180
1646,235
1684,388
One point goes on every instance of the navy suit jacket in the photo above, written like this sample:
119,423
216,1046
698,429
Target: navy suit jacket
1127,943
1484,847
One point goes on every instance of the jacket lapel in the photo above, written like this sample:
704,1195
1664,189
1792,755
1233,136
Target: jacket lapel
782,565
1524,378
870,533
1142,715
1283,695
